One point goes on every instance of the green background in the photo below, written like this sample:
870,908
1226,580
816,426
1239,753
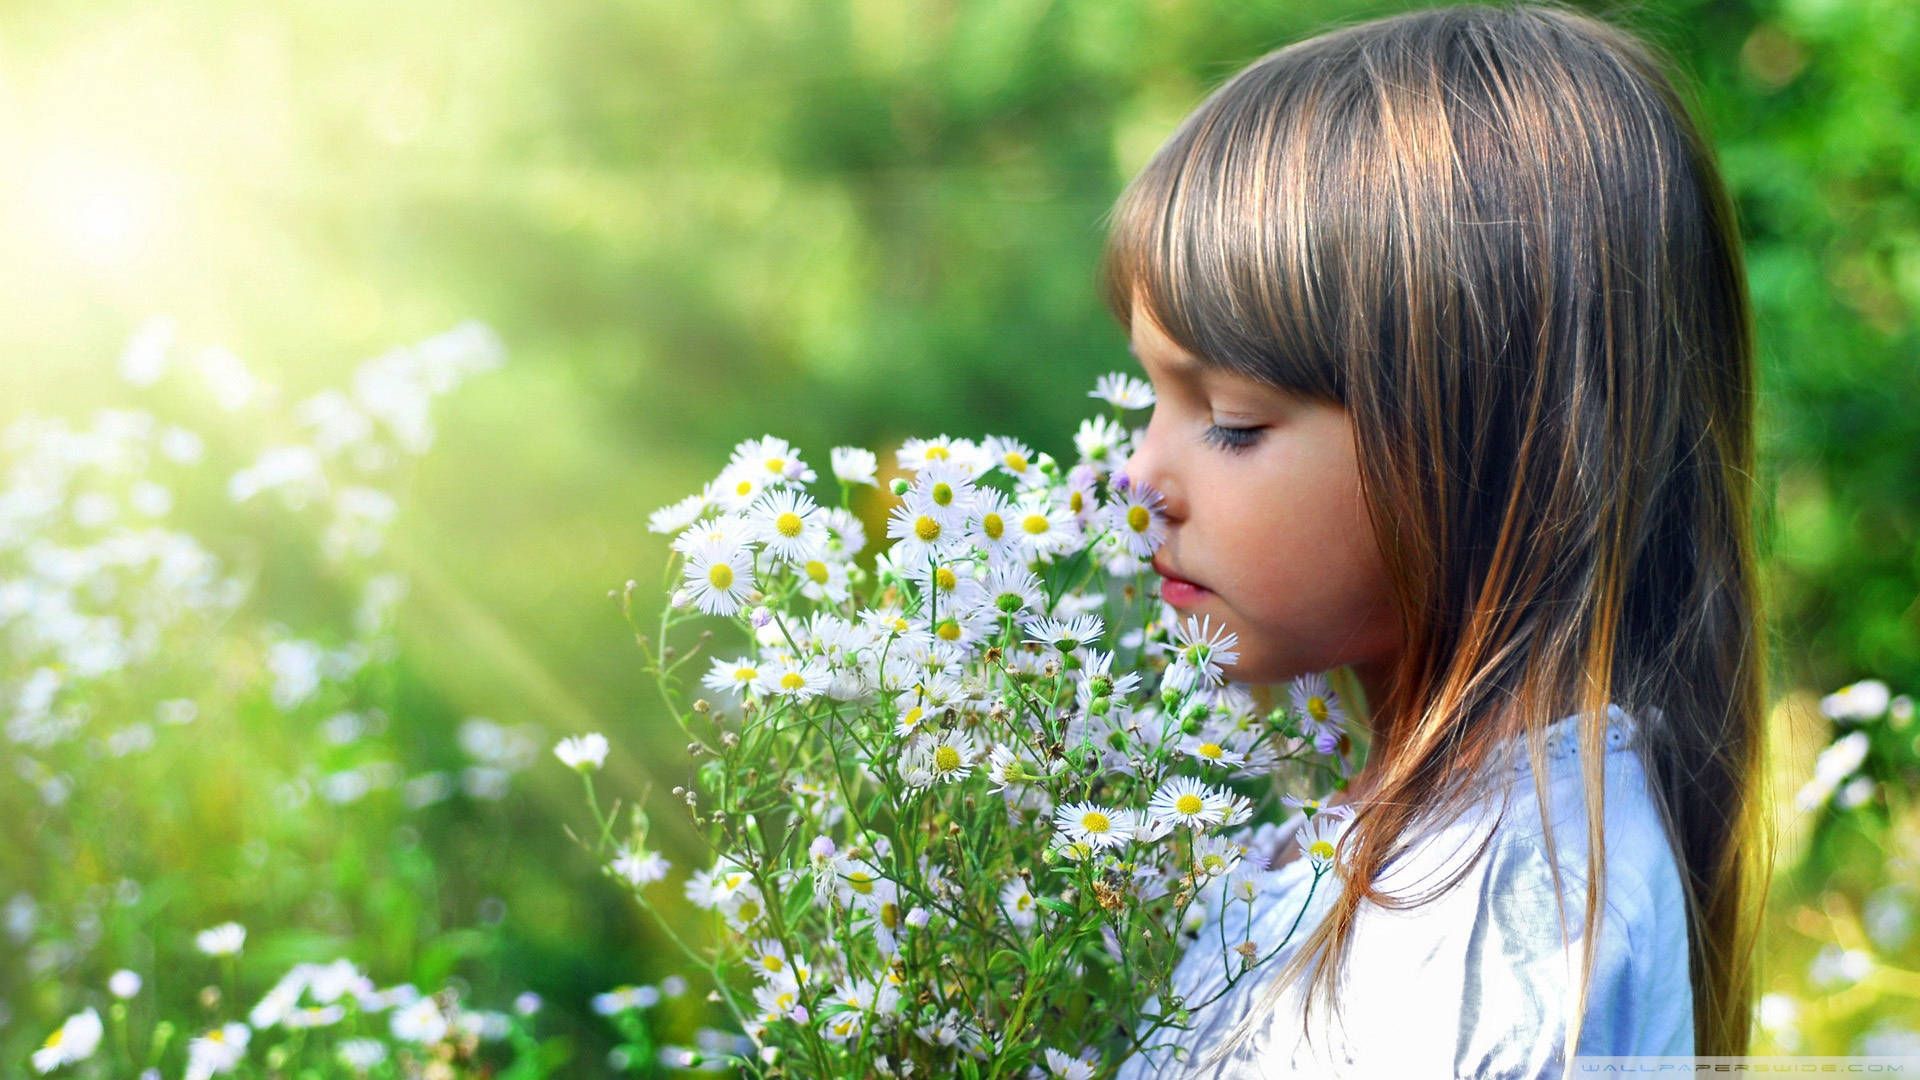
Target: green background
838,222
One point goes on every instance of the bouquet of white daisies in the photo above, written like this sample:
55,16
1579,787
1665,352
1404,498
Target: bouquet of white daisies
970,798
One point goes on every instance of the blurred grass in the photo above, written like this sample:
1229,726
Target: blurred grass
845,221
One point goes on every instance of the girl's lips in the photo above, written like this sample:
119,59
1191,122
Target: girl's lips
1179,592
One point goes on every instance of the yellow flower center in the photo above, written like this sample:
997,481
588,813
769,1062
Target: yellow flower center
1138,518
948,630
789,524
1096,822
860,882
1317,708
1024,902
743,489
938,453
946,759
1189,805
1320,849
792,680
945,578
59,1036
776,466
745,674
1075,501
912,719
943,494
817,570
1035,524
772,962
720,576
1212,864
216,1035
993,526
927,529
890,915
1016,462
749,911
1211,751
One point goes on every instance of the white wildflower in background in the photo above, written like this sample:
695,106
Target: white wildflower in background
73,1041
1062,1067
1122,391
421,1022
637,866
1865,700
1835,764
1014,458
1043,528
623,998
733,680
799,680
222,940
123,984
361,1055
1319,837
1140,519
774,459
1067,635
583,753
1016,901
854,465
217,1051
921,534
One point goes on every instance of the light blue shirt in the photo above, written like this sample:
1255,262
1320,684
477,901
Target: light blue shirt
1478,982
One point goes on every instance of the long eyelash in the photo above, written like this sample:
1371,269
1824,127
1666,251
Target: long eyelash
1231,439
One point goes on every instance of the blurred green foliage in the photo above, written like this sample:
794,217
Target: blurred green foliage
841,221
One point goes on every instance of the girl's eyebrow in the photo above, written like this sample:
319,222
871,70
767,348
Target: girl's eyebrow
1178,364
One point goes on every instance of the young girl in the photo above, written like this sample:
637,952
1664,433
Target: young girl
1446,320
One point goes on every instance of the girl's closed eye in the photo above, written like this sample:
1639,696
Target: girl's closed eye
1233,439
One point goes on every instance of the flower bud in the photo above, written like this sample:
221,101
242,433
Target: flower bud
1099,706
899,486
701,706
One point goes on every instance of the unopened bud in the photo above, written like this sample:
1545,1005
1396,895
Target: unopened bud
701,707
899,486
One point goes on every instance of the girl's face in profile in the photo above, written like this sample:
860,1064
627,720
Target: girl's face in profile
1264,512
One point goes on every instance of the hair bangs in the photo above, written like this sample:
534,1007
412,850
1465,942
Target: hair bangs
1249,299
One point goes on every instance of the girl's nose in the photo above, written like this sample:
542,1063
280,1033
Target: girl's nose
1146,466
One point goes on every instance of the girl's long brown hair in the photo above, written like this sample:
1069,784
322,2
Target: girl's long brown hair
1495,235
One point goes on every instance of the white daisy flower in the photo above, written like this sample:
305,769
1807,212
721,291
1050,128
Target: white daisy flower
1097,679
991,525
857,884
712,888
730,530
948,755
679,515
218,1050
1094,825
1016,901
1204,749
1062,1067
823,580
1185,800
767,957
790,525
1007,766
947,492
776,1002
1235,809
583,753
720,577
791,678
854,465
859,997
73,1041
847,534
1101,443
732,680
123,984
637,866
776,459
1200,650
1139,519
622,998
1122,391
1216,856
922,534
738,487
1014,458
1080,495
1066,635
1043,528
1319,837
222,940
1009,590
1322,717
1309,807
970,457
